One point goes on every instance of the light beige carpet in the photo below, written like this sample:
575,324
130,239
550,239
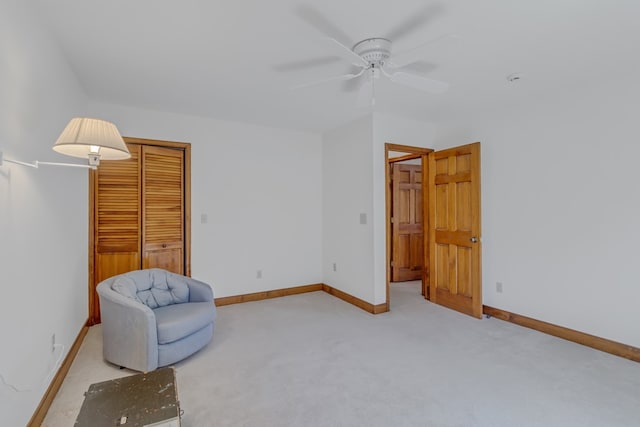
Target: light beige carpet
314,360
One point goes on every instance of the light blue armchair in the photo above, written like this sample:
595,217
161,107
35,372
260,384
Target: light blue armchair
153,318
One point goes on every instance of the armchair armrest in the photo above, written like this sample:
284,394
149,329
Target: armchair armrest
129,330
199,291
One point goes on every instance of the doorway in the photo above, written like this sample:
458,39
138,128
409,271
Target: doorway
406,215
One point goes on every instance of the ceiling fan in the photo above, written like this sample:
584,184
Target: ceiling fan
374,58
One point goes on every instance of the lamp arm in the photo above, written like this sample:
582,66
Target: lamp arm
71,165
37,163
18,162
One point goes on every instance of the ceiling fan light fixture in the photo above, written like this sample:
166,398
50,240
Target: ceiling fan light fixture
376,50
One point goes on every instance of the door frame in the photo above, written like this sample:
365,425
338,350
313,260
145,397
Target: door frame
93,183
412,153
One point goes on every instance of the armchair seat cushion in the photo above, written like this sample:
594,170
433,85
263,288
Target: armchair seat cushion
180,320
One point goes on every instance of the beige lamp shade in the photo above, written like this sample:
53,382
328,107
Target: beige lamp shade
92,138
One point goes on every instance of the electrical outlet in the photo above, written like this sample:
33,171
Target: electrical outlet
259,274
53,343
335,267
499,287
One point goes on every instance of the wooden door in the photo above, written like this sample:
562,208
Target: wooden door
116,221
163,208
454,215
407,252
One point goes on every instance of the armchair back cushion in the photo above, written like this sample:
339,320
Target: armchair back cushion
153,288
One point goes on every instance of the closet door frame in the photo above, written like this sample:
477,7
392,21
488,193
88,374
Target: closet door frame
93,312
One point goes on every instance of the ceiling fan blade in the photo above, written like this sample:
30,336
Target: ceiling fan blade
418,82
306,63
415,21
348,54
410,56
317,20
366,97
332,32
352,85
330,79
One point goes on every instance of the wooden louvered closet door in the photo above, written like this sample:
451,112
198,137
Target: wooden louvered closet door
139,213
162,209
116,223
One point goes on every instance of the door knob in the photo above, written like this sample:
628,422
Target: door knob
474,239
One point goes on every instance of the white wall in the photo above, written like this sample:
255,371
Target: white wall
347,165
261,189
43,213
560,206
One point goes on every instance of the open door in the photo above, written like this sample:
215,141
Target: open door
454,218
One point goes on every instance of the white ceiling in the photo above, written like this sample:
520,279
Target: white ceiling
236,60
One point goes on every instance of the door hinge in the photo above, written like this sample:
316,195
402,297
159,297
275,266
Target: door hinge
392,220
392,263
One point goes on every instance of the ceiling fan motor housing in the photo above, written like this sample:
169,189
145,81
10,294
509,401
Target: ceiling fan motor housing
376,51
